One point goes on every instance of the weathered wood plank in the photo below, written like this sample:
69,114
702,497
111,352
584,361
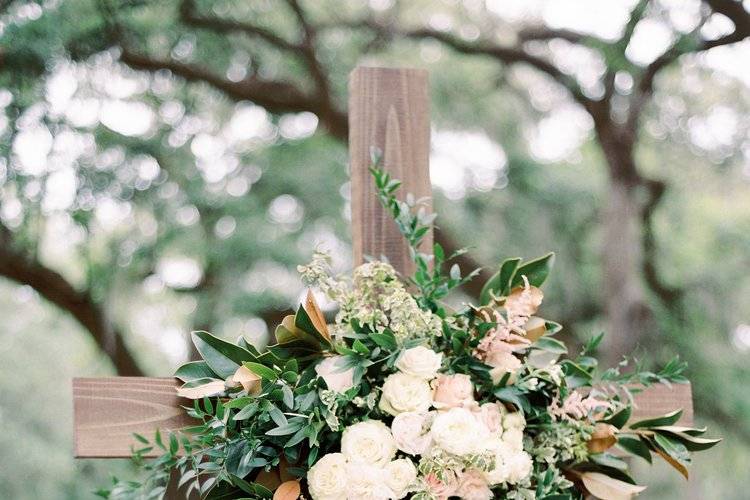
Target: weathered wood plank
661,399
107,411
388,110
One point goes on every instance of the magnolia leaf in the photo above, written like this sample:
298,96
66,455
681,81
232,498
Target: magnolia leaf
499,283
674,452
250,381
316,316
201,388
603,438
194,370
620,418
535,327
607,488
536,271
262,371
634,446
289,490
674,463
668,419
692,443
221,356
550,344
285,332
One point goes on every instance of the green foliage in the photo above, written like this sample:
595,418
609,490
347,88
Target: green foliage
553,204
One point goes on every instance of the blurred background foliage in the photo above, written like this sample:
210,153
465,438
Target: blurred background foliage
164,166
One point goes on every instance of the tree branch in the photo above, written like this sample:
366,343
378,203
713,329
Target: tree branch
689,45
190,16
277,96
80,304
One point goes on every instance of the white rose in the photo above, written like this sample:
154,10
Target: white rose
367,482
402,392
420,362
400,476
458,432
499,473
336,379
368,442
503,362
411,432
513,437
327,479
514,421
519,467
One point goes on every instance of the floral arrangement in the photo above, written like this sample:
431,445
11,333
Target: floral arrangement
402,396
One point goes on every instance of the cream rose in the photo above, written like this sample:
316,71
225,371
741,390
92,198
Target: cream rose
402,392
369,442
473,486
514,421
491,415
420,362
503,362
400,476
453,391
513,437
457,432
336,379
367,482
519,467
327,479
502,453
411,432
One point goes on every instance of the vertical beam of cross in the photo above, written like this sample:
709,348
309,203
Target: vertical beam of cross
388,110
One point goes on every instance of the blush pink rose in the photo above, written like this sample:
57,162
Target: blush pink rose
491,416
473,486
411,432
441,490
452,391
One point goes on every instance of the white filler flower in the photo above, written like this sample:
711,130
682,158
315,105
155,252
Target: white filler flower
420,362
368,442
327,479
402,392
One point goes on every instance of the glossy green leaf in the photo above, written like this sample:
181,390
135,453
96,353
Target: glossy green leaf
620,418
536,271
194,370
551,345
499,283
262,371
221,356
635,447
668,419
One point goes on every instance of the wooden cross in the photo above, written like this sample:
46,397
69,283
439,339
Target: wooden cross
388,109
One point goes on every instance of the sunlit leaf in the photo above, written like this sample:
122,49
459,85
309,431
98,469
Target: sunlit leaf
607,488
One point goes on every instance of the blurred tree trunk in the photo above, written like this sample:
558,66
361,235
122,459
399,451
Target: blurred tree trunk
625,302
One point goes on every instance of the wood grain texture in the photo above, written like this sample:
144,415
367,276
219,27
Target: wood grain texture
107,411
661,399
388,110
